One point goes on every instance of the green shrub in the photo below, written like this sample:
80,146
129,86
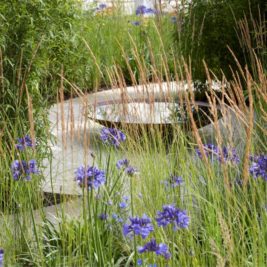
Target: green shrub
210,27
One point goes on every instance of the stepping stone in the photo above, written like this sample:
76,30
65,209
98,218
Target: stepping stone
71,147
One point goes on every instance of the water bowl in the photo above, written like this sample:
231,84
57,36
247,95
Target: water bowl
159,114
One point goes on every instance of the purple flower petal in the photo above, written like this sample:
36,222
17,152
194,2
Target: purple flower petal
112,136
90,177
159,249
172,215
139,225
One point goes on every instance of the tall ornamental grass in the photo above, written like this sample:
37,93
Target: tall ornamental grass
147,199
182,202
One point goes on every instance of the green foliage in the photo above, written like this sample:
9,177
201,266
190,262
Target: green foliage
210,28
39,39
35,40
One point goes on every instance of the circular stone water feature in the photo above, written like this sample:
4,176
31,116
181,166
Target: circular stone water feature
116,113
136,112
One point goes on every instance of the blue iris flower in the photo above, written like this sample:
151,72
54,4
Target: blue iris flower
90,177
258,167
142,10
112,136
172,215
139,225
213,152
24,142
159,249
21,169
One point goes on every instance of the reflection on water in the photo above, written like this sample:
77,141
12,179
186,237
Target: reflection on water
136,112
